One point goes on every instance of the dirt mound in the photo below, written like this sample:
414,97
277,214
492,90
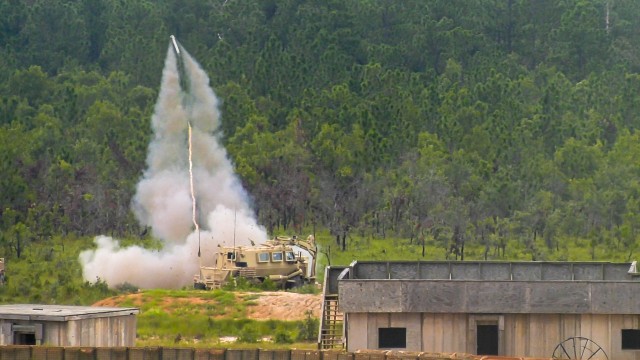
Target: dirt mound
285,306
267,305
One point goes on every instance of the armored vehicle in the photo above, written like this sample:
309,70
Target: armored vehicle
287,261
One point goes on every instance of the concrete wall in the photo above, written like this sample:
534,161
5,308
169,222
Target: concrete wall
492,270
460,296
528,335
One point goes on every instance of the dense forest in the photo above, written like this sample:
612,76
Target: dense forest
451,122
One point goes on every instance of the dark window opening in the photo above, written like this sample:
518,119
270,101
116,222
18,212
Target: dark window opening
390,338
487,336
630,339
20,338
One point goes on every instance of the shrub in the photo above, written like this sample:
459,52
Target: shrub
308,329
282,337
248,335
268,285
239,283
307,289
126,288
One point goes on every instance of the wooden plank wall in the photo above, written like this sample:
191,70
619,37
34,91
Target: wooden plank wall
531,335
438,333
539,335
452,335
105,331
108,331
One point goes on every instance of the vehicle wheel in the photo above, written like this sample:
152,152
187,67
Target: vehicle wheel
295,282
199,286
579,348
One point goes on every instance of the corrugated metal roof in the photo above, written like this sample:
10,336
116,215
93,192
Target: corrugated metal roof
61,312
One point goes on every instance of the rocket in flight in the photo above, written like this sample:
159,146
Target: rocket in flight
184,79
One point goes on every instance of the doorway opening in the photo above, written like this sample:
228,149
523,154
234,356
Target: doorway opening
25,334
487,339
21,338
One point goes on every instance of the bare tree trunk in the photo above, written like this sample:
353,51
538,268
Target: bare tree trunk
18,245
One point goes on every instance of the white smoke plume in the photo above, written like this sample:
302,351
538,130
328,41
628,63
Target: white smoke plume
163,200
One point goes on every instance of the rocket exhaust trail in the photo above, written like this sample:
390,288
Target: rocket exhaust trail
164,200
193,193
184,87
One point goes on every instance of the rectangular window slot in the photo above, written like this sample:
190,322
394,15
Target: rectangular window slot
630,339
392,338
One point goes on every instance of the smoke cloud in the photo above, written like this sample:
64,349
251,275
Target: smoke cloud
163,199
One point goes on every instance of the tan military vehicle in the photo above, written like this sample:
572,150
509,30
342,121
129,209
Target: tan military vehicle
287,261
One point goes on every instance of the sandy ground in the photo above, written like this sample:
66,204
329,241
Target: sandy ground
278,305
285,306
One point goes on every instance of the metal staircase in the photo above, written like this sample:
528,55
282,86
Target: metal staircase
332,324
332,329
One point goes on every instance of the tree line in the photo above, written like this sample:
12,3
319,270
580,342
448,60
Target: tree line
443,121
